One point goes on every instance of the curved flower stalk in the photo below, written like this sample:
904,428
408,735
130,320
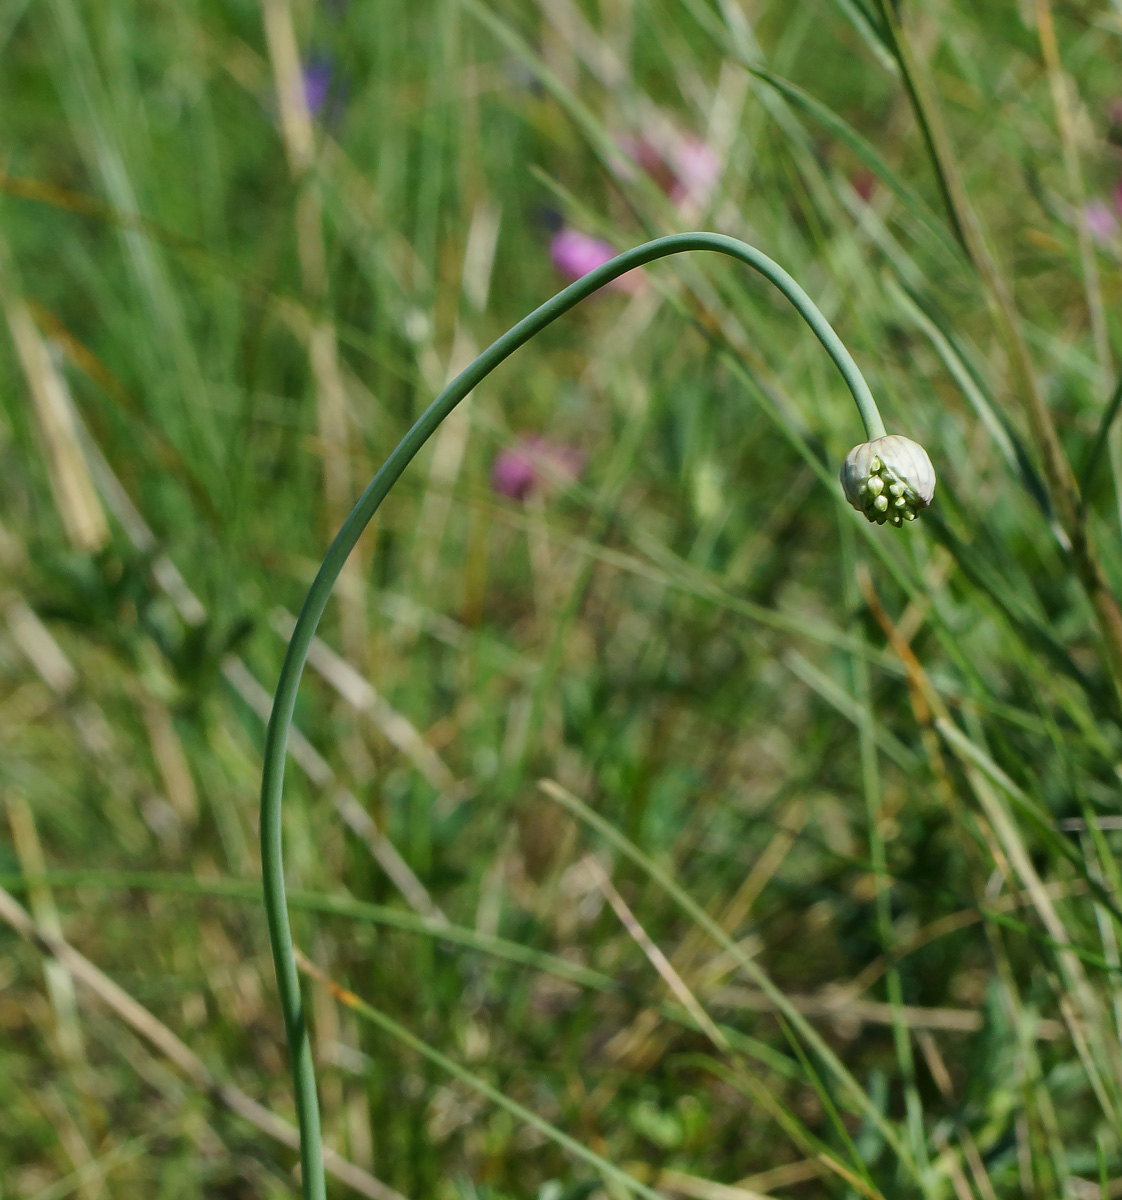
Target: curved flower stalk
276,740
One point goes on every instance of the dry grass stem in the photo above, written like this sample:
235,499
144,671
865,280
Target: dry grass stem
174,1049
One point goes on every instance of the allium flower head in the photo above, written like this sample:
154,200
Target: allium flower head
888,479
524,468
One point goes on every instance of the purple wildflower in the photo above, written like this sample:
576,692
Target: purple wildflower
575,254
531,463
317,84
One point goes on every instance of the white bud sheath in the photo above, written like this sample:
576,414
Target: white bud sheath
893,462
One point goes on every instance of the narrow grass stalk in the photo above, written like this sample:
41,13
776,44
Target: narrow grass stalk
874,804
1102,437
388,1025
790,1016
284,702
155,1032
394,918
1059,83
1026,385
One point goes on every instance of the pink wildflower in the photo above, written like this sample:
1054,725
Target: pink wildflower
683,166
575,254
864,183
531,463
646,155
1101,222
697,170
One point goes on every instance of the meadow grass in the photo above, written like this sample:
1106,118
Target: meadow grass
660,829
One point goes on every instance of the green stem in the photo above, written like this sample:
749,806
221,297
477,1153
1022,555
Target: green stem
276,739
1102,437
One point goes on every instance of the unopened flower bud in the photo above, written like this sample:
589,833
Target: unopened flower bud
894,464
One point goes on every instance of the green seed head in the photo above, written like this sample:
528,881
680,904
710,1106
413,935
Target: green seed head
890,479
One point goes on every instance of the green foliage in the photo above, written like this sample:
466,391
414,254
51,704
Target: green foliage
874,761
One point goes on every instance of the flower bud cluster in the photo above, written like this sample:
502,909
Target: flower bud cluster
890,480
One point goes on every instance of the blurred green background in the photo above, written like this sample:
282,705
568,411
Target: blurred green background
242,246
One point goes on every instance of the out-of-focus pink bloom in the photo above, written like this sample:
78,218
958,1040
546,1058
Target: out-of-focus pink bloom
649,157
317,84
683,166
575,254
533,462
697,170
1101,222
864,184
